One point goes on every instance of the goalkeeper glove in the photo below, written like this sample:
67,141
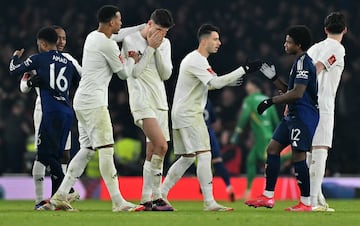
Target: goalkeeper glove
269,71
34,80
265,104
252,66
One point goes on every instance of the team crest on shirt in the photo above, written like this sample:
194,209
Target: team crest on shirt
121,59
211,71
332,59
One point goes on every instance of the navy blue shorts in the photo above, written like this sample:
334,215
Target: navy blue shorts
215,146
294,132
53,132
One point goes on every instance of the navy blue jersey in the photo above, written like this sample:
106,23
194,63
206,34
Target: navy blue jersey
55,72
306,108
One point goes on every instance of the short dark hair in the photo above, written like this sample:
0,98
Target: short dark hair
106,13
162,17
55,27
335,22
301,35
47,34
206,29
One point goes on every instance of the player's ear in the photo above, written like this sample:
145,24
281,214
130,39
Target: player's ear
345,30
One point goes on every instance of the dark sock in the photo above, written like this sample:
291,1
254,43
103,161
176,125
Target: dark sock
56,173
272,171
221,170
303,178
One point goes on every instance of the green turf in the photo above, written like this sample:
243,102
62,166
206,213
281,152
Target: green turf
14,213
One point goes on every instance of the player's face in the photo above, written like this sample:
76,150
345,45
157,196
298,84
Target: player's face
213,42
61,42
290,46
115,23
157,28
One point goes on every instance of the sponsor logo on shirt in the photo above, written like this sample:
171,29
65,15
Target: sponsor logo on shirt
211,71
302,74
121,59
331,59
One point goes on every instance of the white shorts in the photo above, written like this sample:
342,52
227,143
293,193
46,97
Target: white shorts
324,131
95,128
191,139
37,120
162,117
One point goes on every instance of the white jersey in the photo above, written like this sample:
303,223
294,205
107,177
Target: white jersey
101,58
331,54
191,90
146,85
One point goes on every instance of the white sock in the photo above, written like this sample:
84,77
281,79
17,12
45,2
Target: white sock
305,200
175,172
156,165
147,188
109,174
204,174
75,170
317,171
64,168
268,194
38,173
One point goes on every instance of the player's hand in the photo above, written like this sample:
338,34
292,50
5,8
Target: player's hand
269,71
18,53
251,66
33,81
238,82
265,104
134,55
154,39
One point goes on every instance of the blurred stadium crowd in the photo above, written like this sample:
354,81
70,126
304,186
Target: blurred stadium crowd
248,29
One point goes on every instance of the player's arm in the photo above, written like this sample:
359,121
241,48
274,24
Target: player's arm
119,37
218,82
122,67
24,88
329,58
163,60
144,60
17,68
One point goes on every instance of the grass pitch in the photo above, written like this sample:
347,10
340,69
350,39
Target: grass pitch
14,213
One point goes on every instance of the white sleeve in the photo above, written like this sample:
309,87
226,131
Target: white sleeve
74,62
24,88
218,82
330,56
119,37
163,60
144,58
120,66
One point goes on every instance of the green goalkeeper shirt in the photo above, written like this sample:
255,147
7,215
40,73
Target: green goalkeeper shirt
262,125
